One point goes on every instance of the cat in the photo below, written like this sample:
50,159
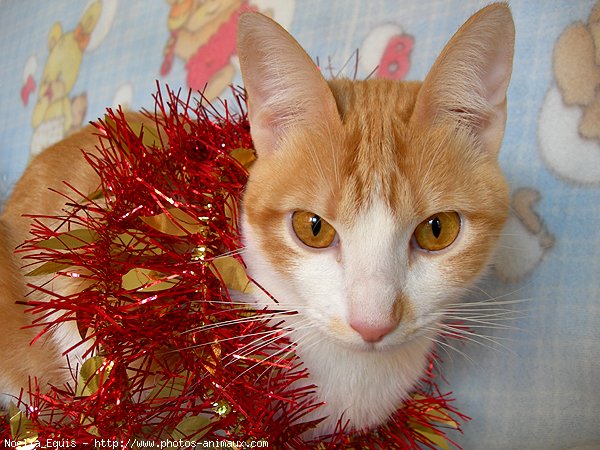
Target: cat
370,210
373,204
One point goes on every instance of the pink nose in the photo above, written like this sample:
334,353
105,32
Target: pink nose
373,333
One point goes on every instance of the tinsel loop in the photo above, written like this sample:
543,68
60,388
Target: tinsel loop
168,357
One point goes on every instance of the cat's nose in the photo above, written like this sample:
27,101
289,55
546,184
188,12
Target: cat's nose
372,333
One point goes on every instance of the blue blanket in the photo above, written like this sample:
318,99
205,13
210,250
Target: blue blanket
532,384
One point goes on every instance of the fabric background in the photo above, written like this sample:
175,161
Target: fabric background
533,386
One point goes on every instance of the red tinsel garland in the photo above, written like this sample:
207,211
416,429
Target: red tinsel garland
169,356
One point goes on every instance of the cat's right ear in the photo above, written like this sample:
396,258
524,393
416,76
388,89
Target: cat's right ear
285,87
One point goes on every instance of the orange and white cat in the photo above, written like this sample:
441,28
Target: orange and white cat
372,207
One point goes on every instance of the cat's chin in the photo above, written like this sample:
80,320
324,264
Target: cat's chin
363,383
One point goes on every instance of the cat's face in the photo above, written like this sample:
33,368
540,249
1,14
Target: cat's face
343,223
372,204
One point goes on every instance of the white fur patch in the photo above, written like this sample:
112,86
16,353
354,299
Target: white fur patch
359,381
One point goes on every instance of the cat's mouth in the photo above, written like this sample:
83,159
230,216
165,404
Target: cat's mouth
351,340
382,347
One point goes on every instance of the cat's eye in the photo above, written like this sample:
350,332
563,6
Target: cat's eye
438,231
312,230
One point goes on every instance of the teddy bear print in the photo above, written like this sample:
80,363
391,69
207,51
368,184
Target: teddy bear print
569,122
57,113
525,239
385,52
577,71
203,35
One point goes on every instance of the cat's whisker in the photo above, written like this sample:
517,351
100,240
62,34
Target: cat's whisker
353,56
205,344
259,344
483,306
496,326
492,298
440,346
225,302
284,349
296,310
253,318
484,319
306,324
303,340
372,72
483,309
493,344
297,328
234,252
496,315
236,357
490,313
446,345
463,334
477,326
241,320
255,346
252,348
500,318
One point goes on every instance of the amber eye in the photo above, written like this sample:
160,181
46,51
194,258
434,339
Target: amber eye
312,230
438,231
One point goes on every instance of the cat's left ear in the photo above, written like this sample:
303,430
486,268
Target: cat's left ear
468,81
285,87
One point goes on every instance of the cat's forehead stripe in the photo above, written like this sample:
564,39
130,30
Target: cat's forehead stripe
375,117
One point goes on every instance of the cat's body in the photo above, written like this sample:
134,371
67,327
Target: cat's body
31,195
351,177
